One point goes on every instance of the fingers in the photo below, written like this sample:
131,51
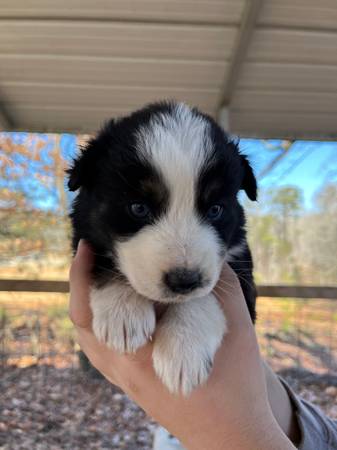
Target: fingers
230,296
79,279
240,342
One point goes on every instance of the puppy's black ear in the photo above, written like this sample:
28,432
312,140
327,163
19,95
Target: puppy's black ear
249,184
84,167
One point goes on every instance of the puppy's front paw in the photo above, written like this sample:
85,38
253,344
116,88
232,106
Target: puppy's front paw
185,344
124,324
181,370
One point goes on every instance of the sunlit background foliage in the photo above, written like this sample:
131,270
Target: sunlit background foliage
292,228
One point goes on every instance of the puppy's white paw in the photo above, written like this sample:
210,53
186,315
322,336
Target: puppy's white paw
185,343
179,369
122,319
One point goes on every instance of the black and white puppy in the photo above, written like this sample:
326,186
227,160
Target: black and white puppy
158,204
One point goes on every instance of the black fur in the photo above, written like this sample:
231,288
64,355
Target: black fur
110,173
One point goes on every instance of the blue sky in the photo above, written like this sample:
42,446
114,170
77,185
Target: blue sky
309,165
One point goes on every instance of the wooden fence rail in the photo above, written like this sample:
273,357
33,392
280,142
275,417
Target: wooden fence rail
326,292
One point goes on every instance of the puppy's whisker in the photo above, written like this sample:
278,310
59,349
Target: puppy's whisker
224,291
232,261
103,255
242,270
225,283
108,268
251,285
221,289
113,272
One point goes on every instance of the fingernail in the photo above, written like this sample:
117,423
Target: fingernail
79,246
84,250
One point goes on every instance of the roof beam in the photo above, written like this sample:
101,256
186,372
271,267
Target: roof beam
284,147
124,20
247,26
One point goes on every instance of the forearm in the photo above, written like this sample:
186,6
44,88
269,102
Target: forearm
260,434
281,406
276,429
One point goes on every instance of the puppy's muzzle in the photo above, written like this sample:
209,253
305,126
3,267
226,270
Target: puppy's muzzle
182,281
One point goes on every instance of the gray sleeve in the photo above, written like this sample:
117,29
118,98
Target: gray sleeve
318,432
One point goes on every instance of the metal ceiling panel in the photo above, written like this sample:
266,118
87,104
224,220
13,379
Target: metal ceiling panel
64,119
68,119
70,64
189,11
110,71
128,40
289,77
114,97
293,46
287,125
283,101
317,14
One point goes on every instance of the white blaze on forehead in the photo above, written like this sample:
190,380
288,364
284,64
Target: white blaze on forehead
178,144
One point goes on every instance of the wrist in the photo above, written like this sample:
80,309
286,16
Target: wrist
261,433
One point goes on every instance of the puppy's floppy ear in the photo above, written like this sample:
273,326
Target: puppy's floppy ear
80,172
249,184
85,166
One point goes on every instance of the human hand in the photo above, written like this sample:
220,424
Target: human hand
230,411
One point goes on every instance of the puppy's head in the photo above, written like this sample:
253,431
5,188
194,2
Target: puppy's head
158,195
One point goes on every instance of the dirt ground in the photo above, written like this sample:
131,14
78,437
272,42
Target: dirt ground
48,403
44,407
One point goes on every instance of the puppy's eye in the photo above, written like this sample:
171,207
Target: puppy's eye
214,212
139,210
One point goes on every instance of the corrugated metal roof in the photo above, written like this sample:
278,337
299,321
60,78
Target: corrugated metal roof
69,65
185,11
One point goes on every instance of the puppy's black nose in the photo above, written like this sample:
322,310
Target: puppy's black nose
182,281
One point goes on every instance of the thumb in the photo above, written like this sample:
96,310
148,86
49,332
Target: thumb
79,280
230,296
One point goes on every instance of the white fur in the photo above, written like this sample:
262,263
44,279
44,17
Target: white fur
185,343
122,319
177,145
235,251
155,250
192,328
